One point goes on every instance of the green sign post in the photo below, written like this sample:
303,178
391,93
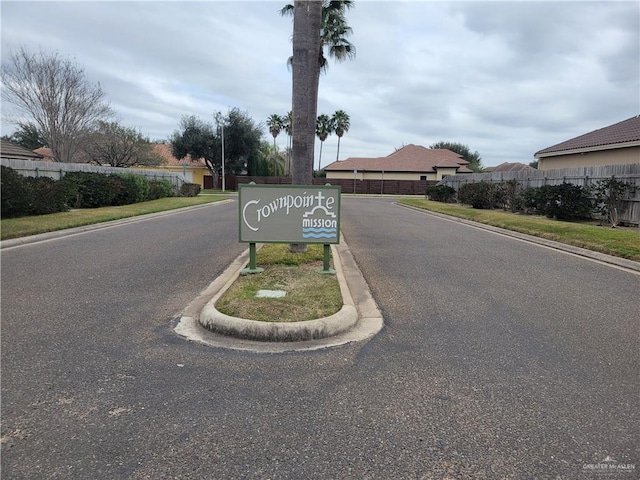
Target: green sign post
289,214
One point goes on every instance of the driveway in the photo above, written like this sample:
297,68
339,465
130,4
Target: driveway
499,359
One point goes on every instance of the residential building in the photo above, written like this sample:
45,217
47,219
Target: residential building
411,162
617,144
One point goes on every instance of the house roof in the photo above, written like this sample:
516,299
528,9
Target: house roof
47,154
510,167
164,151
618,135
410,158
13,150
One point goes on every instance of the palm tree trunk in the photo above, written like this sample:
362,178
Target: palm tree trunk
338,152
307,20
320,157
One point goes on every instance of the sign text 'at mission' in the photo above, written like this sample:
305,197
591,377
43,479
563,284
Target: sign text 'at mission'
289,214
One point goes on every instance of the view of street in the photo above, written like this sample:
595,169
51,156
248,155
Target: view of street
499,359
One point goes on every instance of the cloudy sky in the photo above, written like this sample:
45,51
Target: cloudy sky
505,78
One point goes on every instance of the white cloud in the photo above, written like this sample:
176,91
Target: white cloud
505,78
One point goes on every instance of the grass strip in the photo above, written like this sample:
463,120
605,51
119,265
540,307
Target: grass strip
310,295
620,242
25,226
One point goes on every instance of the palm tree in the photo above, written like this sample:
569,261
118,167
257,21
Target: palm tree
287,126
324,128
274,123
333,32
341,126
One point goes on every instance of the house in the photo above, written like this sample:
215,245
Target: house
194,171
411,162
617,144
509,167
13,151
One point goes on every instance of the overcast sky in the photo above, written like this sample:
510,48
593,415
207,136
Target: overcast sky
505,78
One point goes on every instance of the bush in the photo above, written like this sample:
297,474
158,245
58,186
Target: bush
47,196
91,190
133,188
478,195
160,189
441,193
23,196
189,190
13,188
564,202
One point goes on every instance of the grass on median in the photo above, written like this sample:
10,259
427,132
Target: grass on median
25,226
310,295
621,242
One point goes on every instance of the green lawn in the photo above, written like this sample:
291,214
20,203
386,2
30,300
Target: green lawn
25,226
621,242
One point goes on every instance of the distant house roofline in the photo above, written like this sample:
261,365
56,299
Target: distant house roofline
623,134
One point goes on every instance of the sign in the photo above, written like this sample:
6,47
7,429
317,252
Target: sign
289,214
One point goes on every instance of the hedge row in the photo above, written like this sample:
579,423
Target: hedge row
23,196
563,202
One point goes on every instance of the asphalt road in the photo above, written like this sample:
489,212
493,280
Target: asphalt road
499,359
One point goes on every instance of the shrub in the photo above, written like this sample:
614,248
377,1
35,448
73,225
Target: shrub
133,188
564,202
189,190
23,196
478,195
13,188
160,189
440,193
608,198
46,196
91,190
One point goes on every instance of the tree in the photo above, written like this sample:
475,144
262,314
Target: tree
274,124
196,138
242,138
287,126
53,94
324,128
341,126
119,146
268,161
333,31
473,158
200,139
307,21
27,136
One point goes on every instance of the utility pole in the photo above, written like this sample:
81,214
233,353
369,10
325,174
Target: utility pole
220,122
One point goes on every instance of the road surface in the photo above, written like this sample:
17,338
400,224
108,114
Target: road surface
499,359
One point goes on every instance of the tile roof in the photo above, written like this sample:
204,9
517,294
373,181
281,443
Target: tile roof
510,167
164,150
13,150
47,154
623,132
410,158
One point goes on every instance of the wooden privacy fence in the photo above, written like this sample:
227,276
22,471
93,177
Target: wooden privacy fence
583,176
386,187
55,170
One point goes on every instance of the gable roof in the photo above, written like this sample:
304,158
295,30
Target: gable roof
410,158
510,167
12,150
618,135
164,151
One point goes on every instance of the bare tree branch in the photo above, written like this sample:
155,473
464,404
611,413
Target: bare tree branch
53,93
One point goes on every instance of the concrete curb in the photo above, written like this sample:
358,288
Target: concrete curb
358,320
340,322
581,252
